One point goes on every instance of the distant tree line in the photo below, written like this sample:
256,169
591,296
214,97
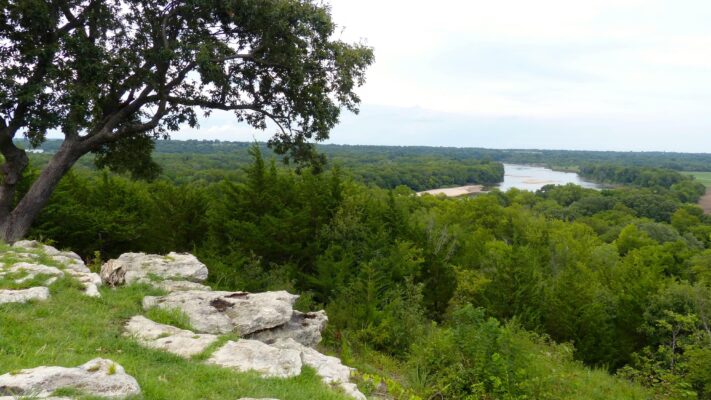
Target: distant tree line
551,158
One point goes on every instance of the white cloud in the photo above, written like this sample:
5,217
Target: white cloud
605,74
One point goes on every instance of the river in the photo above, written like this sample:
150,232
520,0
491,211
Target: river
528,177
524,177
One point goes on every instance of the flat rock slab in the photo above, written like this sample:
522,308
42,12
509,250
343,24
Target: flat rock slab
98,377
30,271
179,286
24,295
304,328
330,369
140,267
252,355
223,312
167,338
48,250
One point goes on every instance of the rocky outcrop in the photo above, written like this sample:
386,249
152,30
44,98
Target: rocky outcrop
147,268
304,328
70,262
252,355
330,369
167,338
223,312
179,286
24,295
48,250
30,271
98,377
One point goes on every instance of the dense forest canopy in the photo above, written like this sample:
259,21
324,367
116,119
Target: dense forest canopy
553,158
503,295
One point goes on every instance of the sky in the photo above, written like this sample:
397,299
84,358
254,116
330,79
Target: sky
555,74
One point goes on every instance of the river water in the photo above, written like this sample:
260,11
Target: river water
524,177
527,177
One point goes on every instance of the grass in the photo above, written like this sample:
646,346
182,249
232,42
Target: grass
71,329
702,177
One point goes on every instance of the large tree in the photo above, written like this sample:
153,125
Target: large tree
115,75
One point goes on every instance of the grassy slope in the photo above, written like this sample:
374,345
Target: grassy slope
71,329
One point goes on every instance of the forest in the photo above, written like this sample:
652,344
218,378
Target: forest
563,293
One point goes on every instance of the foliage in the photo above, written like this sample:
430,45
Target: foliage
503,295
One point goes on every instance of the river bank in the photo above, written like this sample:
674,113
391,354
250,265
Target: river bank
519,176
467,190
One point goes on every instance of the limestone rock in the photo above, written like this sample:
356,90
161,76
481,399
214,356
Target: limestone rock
31,271
141,267
43,398
252,355
330,369
89,280
168,338
24,295
61,256
98,377
304,328
180,286
222,312
33,244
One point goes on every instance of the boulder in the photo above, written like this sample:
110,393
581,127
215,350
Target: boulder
222,312
168,338
98,377
330,369
304,328
179,286
140,267
252,355
24,295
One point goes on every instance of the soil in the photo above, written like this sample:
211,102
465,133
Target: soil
705,201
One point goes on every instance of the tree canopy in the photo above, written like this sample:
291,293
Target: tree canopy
115,75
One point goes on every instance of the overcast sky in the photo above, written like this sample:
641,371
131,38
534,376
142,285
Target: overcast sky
565,74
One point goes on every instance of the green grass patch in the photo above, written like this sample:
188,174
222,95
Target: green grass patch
216,345
702,177
9,281
174,317
71,329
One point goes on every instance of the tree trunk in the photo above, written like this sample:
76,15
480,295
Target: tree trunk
10,174
15,226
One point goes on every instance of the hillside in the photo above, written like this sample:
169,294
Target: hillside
69,328
72,326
